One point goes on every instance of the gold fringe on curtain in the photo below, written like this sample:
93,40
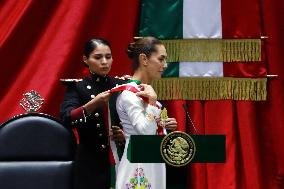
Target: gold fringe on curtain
213,50
211,88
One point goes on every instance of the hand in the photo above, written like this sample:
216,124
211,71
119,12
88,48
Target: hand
102,98
99,100
148,92
116,134
170,124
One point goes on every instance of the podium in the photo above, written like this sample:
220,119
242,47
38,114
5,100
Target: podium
209,149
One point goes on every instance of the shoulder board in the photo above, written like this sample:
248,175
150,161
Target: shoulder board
70,81
124,77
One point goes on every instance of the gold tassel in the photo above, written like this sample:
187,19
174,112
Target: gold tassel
213,50
211,88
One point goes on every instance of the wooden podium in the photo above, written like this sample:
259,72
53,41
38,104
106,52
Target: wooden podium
209,149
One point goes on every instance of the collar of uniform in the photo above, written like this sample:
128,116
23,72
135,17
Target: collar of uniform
98,78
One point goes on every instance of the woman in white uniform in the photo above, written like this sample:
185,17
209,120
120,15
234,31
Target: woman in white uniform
140,116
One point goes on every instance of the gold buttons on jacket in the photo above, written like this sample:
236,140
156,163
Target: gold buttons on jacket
103,146
100,134
97,114
89,87
92,96
98,125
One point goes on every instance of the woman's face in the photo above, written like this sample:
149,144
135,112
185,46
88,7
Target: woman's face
157,62
99,60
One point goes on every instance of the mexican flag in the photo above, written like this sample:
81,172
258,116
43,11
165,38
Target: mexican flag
214,50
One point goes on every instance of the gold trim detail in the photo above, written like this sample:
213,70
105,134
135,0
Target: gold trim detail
219,88
213,50
177,149
70,80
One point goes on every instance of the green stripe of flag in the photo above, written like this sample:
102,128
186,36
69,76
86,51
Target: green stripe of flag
164,20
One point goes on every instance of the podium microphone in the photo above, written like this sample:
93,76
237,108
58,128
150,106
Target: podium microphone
191,122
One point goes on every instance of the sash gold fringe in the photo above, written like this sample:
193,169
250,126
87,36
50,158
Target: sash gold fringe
211,88
213,50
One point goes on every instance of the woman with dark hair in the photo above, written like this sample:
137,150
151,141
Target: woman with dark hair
140,116
83,108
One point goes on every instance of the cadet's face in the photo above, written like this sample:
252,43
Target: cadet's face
157,62
100,60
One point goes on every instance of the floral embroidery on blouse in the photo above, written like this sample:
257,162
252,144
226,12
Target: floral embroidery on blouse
139,181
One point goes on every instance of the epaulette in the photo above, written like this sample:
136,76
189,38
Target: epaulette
124,77
70,81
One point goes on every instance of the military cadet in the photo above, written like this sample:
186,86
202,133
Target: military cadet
83,109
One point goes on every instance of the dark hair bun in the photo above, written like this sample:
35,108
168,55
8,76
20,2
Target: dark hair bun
130,50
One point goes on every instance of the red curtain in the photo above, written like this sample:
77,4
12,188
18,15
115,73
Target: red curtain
42,41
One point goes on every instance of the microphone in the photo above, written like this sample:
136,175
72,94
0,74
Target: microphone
191,122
